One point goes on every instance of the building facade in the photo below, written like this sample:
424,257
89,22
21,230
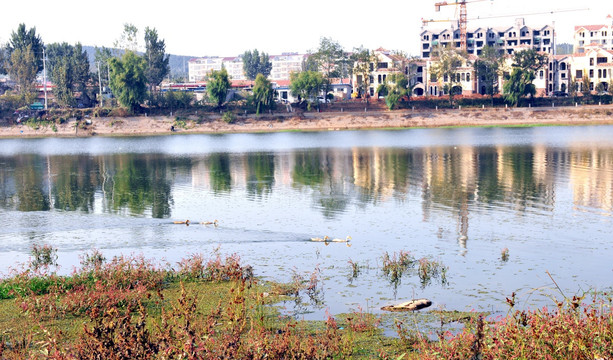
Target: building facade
594,35
509,39
282,66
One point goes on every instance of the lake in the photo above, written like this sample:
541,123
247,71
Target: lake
456,196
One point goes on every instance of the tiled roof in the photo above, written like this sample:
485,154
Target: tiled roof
590,27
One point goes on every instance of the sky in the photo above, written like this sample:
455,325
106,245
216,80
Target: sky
229,28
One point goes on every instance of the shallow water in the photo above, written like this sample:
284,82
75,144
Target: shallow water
455,195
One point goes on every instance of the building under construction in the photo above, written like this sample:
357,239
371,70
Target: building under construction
509,39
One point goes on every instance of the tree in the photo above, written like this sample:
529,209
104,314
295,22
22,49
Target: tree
68,67
128,80
573,87
128,40
525,64
446,67
23,38
306,85
22,69
217,86
394,89
3,59
328,57
363,59
585,86
488,69
255,63
611,87
263,94
157,60
518,84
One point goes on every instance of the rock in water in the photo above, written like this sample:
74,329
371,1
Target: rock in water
409,305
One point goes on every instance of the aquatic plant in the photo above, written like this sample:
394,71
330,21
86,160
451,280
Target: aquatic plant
504,255
396,265
42,257
431,269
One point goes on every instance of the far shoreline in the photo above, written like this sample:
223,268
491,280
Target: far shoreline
314,121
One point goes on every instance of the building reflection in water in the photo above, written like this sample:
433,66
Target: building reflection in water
448,178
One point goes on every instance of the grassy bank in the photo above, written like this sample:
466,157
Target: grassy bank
213,308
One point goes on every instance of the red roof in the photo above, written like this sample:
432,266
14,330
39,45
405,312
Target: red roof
590,27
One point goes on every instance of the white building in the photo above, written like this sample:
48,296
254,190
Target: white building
282,66
510,38
594,35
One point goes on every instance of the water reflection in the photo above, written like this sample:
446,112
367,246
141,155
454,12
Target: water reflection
453,178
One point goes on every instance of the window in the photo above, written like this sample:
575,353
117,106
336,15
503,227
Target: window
562,66
579,74
468,77
445,78
599,73
563,75
592,62
382,65
541,73
601,60
463,77
591,73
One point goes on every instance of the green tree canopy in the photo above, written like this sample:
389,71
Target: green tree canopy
157,60
263,94
306,85
128,80
394,88
255,63
68,67
328,57
519,84
22,69
217,86
21,39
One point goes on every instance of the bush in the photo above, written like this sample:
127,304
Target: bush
228,117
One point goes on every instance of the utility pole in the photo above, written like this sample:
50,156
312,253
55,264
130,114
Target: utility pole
45,76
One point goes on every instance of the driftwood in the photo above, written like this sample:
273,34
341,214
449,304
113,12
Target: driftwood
409,305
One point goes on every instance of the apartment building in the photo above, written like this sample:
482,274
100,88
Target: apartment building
509,39
594,35
282,66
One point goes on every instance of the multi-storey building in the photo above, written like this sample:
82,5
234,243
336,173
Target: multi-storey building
594,35
282,66
509,39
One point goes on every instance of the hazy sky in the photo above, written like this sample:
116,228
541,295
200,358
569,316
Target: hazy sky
228,28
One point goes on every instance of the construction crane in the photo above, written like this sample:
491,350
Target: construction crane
462,19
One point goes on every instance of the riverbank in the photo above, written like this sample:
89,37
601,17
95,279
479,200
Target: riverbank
313,121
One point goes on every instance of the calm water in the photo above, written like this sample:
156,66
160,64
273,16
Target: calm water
455,195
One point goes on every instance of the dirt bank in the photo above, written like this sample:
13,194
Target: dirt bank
158,125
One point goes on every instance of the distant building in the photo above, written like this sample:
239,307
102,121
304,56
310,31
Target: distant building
594,35
282,66
509,39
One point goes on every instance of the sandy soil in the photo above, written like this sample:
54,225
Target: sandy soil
143,125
